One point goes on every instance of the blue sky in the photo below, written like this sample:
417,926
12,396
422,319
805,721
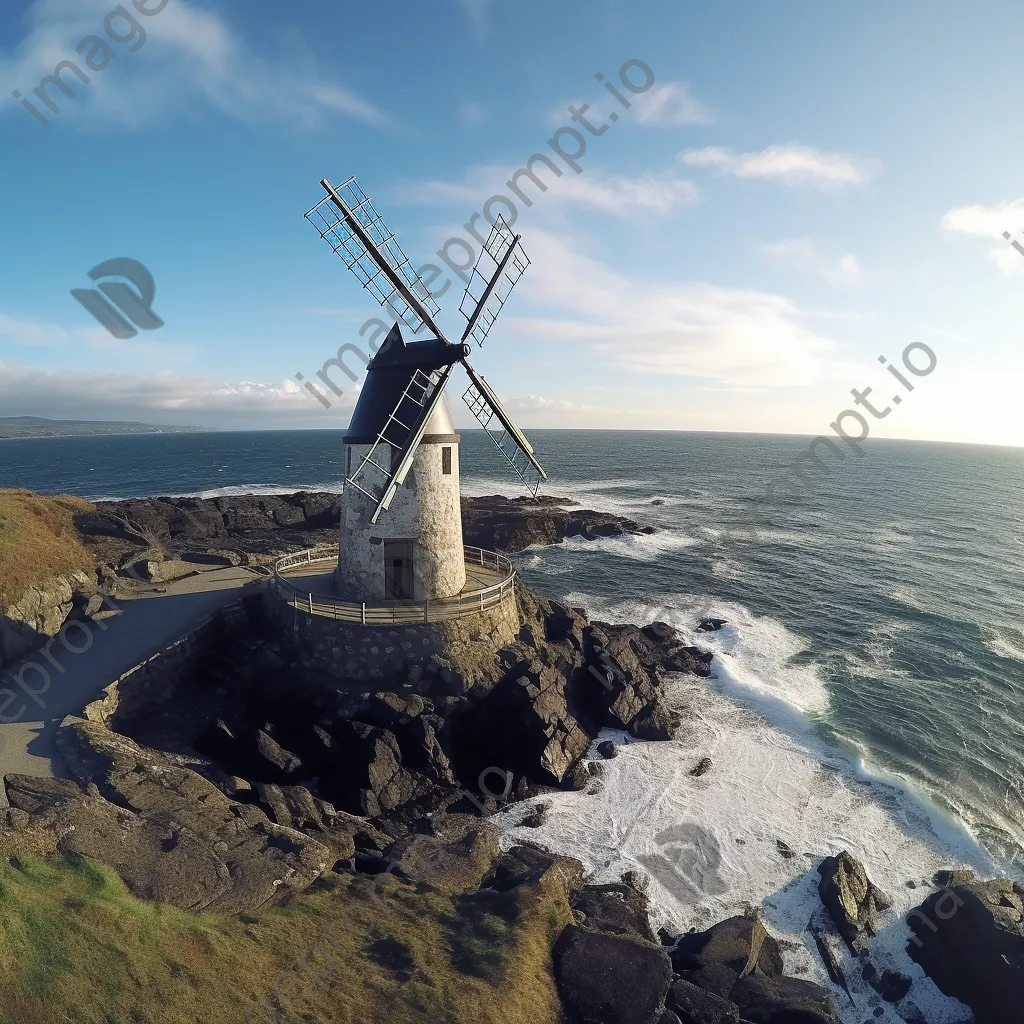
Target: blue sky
803,188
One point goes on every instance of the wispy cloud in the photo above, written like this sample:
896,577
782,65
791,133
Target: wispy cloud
671,105
802,253
614,194
67,393
980,221
736,337
471,113
790,164
536,403
189,54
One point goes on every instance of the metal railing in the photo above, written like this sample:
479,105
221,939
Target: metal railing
394,612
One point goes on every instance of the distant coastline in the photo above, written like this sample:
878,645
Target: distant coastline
18,428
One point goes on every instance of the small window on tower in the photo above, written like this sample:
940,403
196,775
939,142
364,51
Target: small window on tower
446,461
348,460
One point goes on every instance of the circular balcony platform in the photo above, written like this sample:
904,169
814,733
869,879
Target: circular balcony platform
305,581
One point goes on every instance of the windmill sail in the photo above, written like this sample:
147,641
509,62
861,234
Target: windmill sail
511,441
347,221
487,292
396,443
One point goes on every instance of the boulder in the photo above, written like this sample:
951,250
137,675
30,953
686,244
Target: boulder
367,778
607,750
701,767
693,1005
270,751
851,898
969,938
736,944
291,806
780,1000
457,867
611,979
616,908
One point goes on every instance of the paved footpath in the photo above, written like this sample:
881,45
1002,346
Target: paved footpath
146,622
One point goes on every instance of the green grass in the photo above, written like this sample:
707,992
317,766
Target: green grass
76,946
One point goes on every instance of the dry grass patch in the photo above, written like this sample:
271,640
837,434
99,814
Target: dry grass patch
38,541
76,946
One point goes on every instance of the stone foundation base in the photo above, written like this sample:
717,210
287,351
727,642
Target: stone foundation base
348,649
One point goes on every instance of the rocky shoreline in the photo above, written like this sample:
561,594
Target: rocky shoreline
246,529
251,778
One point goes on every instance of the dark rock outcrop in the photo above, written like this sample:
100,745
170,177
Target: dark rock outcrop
220,531
693,1004
782,1000
611,979
616,908
513,524
969,938
734,944
851,898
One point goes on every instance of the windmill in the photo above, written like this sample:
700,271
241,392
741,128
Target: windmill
401,530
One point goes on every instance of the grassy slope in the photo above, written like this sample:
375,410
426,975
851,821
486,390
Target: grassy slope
76,946
38,540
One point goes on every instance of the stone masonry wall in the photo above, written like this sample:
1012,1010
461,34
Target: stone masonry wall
155,680
374,652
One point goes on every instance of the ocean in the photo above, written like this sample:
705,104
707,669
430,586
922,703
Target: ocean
866,690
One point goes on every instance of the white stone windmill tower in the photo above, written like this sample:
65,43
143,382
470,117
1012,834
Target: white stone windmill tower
401,520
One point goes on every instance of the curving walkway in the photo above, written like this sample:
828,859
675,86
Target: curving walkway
53,688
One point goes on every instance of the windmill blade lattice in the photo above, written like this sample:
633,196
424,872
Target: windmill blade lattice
347,221
485,405
487,293
396,444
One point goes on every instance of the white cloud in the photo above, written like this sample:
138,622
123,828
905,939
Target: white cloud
978,220
733,336
985,221
536,403
803,254
671,105
188,53
614,194
158,397
791,164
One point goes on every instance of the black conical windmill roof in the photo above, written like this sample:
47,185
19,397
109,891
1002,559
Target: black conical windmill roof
388,375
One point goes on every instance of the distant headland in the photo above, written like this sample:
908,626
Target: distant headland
38,426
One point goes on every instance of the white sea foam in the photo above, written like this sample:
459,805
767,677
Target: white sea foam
1005,642
645,547
753,653
711,845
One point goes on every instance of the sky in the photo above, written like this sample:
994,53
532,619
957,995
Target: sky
793,191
